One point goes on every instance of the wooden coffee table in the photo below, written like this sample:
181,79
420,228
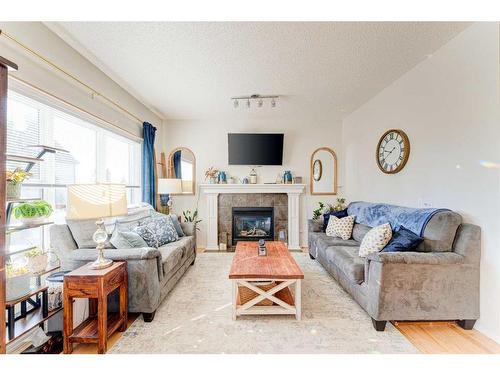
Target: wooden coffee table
248,268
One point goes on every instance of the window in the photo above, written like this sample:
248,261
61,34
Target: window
95,155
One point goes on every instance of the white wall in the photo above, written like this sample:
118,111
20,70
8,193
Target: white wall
449,107
208,141
39,38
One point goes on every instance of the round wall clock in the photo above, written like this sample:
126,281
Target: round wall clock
393,150
317,170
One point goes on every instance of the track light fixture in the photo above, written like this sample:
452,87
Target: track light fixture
255,97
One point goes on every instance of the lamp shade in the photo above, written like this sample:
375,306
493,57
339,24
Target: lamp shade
169,186
94,201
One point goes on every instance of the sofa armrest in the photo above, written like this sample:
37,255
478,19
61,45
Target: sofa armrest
315,225
412,257
133,254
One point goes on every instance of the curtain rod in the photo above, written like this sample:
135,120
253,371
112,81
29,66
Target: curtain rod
64,101
76,79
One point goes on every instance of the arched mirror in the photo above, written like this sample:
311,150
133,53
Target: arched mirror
323,179
182,165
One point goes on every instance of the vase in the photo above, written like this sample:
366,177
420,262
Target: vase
37,263
18,286
13,190
32,220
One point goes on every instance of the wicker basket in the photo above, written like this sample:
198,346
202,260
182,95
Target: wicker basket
247,294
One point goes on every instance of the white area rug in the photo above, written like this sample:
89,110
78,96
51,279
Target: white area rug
196,318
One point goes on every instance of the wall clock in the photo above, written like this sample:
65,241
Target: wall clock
393,150
317,170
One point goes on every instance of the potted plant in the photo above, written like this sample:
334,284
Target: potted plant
18,281
33,212
37,260
211,175
191,218
14,181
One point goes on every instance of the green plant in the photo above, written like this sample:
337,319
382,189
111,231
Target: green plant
16,176
32,209
14,270
318,211
339,206
191,217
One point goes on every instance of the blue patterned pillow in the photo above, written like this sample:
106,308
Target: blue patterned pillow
157,231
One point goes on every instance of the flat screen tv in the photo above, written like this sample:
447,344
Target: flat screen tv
255,149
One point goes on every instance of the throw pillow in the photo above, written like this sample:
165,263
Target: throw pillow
403,240
340,227
375,240
127,240
157,231
326,217
177,225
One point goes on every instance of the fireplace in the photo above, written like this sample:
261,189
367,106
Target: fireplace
252,223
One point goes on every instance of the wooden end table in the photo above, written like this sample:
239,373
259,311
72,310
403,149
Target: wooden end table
248,269
95,285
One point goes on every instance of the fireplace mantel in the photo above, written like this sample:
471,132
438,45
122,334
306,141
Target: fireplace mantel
293,191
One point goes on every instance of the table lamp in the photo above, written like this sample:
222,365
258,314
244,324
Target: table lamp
169,186
96,201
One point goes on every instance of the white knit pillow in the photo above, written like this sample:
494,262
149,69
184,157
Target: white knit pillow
340,227
375,240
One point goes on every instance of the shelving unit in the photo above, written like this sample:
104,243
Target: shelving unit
37,298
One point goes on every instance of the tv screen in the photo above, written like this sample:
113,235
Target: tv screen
255,149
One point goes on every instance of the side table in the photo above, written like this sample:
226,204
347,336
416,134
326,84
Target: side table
95,285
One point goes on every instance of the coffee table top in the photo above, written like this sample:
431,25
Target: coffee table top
278,264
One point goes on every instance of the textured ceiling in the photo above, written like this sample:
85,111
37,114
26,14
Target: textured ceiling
190,70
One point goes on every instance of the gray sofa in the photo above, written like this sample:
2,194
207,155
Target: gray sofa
439,281
152,272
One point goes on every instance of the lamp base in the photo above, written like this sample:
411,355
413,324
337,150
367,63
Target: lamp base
99,264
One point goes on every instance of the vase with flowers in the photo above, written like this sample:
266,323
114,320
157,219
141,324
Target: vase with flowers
211,175
14,180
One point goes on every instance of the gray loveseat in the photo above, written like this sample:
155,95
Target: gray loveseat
152,273
439,281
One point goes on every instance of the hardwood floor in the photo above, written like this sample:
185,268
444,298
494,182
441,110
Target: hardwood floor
92,348
446,338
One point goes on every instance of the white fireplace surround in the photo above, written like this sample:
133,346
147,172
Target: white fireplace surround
293,191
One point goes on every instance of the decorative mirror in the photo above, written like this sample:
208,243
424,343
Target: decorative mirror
323,172
182,165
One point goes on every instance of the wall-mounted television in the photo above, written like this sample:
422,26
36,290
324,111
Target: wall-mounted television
255,149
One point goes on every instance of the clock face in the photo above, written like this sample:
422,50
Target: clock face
393,151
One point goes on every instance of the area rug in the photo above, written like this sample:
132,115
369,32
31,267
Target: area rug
196,318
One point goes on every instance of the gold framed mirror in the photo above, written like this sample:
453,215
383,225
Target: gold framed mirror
181,163
323,176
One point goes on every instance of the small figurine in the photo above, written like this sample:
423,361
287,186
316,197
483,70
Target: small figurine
262,251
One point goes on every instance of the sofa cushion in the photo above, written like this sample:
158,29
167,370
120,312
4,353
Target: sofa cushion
375,240
127,240
327,241
340,227
440,232
359,231
346,259
326,217
82,231
403,240
157,231
171,257
177,225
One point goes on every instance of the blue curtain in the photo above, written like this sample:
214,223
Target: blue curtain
177,164
148,165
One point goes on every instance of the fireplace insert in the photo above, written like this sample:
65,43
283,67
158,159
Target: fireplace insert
253,224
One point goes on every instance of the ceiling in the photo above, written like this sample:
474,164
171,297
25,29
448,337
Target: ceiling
190,70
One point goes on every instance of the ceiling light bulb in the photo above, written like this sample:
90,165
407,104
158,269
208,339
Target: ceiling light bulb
273,103
248,103
260,102
236,103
